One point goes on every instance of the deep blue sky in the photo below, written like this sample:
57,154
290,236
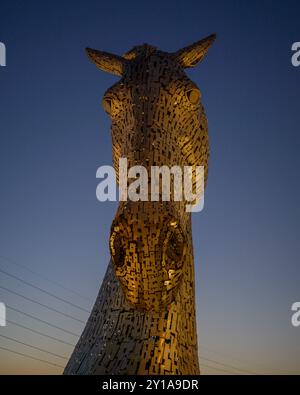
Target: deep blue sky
54,135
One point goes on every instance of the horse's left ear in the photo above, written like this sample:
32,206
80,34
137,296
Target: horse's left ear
191,55
108,62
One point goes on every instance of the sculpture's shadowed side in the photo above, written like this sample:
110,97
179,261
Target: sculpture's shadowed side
144,320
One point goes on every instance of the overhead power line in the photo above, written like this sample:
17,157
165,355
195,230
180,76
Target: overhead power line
33,347
31,357
229,366
221,370
41,333
43,277
76,319
243,361
60,366
41,304
44,291
43,321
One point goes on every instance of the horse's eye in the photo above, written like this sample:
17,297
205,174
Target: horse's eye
194,96
107,103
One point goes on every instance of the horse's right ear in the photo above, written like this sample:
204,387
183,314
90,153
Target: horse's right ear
108,62
191,55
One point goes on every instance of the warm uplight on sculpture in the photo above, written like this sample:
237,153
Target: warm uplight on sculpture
144,319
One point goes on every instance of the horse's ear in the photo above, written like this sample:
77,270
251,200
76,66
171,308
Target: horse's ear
108,62
191,55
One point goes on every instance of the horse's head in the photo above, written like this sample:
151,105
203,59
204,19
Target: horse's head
157,119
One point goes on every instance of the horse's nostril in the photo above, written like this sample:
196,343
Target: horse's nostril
174,247
117,249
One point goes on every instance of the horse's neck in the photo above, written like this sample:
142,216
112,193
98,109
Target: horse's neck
119,339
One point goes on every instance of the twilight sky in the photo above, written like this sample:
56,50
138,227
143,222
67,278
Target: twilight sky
54,134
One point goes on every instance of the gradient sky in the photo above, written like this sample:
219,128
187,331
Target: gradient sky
54,135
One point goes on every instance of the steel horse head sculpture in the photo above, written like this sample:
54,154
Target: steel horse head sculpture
143,321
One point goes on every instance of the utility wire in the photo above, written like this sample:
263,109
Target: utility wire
41,333
43,305
247,362
33,347
74,305
43,277
229,366
43,321
30,356
222,370
44,291
70,344
73,345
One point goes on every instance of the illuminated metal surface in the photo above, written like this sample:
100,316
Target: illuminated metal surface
144,321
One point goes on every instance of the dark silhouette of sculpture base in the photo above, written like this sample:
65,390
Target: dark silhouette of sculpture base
144,318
